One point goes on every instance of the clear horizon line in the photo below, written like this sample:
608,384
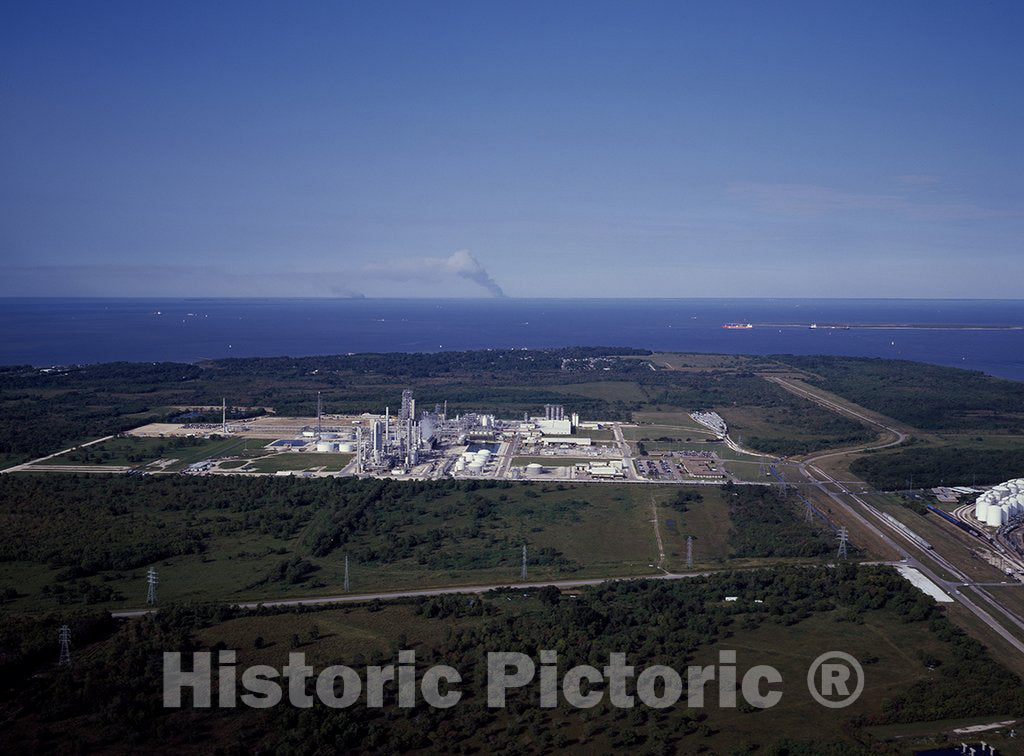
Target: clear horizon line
501,299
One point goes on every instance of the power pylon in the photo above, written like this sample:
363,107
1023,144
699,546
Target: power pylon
689,551
346,573
64,635
152,581
844,538
524,562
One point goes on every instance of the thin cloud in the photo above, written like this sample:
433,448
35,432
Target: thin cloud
817,200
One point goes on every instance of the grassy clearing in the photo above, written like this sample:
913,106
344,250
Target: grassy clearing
674,419
707,521
136,450
458,538
299,461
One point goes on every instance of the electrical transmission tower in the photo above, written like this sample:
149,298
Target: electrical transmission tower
346,573
844,538
524,562
689,551
762,470
151,580
64,635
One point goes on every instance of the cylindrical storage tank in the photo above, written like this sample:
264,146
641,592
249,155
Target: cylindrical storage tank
981,509
326,446
534,469
469,456
994,518
476,466
347,447
460,465
328,435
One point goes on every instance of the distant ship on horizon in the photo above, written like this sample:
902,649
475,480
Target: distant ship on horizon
737,325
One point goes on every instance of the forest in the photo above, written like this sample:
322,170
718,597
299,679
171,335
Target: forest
924,396
111,693
930,466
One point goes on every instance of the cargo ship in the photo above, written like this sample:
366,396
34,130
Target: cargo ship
737,325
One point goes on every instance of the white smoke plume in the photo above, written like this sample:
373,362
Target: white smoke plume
461,264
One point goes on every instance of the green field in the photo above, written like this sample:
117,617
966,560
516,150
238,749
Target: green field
300,461
139,451
234,537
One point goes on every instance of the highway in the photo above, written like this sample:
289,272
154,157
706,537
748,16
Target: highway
871,519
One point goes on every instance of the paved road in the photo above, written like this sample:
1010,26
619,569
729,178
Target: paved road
427,592
24,465
872,519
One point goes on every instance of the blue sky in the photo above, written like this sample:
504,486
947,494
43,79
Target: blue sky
539,149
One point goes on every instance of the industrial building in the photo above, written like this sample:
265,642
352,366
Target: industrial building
1001,505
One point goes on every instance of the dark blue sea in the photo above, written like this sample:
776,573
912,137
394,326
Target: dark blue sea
66,331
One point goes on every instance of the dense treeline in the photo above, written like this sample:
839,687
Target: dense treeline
426,364
46,410
111,695
767,524
929,397
927,466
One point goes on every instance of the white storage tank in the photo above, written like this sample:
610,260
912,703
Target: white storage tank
346,447
981,509
326,446
534,469
994,518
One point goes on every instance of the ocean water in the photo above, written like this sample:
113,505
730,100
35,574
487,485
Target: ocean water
65,331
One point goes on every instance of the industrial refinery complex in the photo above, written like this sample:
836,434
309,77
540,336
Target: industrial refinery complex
426,444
